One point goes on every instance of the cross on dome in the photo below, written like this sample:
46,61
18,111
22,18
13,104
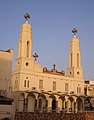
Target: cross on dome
54,66
26,16
35,56
74,30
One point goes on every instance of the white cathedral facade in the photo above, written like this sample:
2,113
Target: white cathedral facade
37,88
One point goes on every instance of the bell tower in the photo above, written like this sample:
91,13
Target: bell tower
25,64
24,58
74,65
25,41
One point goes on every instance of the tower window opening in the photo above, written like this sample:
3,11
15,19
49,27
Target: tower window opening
54,85
78,73
25,83
77,59
28,49
71,59
28,83
16,84
26,63
70,73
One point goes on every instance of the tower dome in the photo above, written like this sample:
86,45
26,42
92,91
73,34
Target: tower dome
26,27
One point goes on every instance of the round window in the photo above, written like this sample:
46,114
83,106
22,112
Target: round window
78,73
26,63
70,73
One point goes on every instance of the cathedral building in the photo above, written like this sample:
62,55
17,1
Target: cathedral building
37,88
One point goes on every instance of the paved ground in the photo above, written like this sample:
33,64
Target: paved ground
54,116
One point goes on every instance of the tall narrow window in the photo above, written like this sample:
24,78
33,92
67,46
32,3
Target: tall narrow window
16,84
40,84
54,85
28,49
28,83
66,87
77,90
25,83
71,59
77,59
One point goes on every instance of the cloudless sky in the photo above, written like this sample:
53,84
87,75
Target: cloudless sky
52,22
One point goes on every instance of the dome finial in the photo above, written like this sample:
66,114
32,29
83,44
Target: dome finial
74,30
26,16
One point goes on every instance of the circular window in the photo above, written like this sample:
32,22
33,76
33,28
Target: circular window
70,73
26,63
78,73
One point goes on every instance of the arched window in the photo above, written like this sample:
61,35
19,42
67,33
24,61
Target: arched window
71,59
78,89
28,49
77,59
25,83
16,84
28,83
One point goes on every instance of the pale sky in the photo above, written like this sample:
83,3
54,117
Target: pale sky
52,22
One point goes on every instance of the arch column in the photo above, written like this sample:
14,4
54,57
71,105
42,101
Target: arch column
57,103
66,104
25,103
36,101
47,97
60,103
75,105
82,106
49,104
63,104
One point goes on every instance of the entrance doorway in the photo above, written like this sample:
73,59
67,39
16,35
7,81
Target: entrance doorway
53,104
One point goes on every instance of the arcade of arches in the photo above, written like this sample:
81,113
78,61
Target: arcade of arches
46,102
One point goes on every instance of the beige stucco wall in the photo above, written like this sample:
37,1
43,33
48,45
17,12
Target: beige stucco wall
6,70
48,80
